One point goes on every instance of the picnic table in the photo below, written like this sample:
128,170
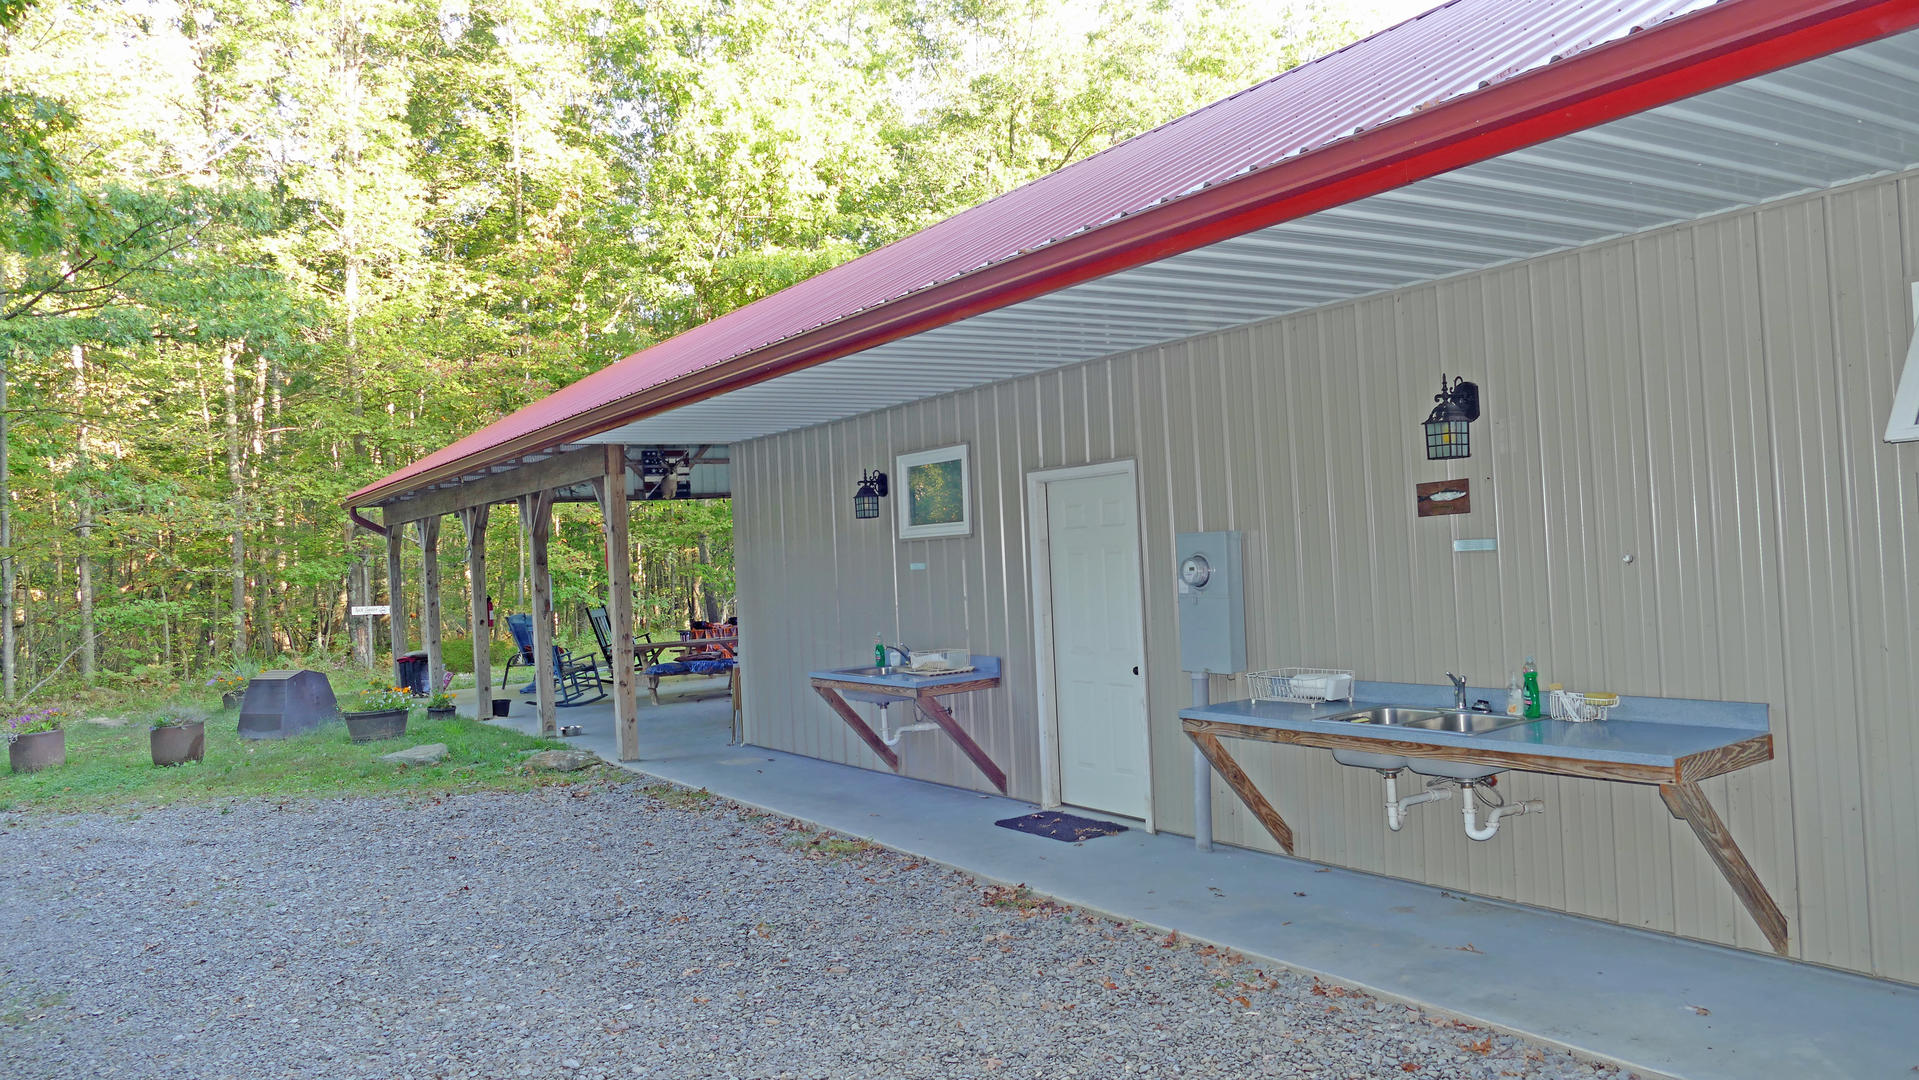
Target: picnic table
650,654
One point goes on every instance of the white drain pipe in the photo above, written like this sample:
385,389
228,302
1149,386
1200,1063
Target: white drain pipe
1469,810
894,738
1396,807
1438,789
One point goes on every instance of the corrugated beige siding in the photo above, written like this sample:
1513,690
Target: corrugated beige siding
1706,399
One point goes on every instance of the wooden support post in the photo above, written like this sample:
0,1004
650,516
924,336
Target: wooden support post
473,518
536,518
1689,805
611,489
1243,786
395,596
430,604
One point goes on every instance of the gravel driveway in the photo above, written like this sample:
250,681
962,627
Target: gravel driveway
601,930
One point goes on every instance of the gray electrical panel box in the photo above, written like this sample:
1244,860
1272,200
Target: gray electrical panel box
1211,602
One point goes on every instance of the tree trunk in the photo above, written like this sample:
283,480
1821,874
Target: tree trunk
236,502
709,596
8,675
357,591
83,592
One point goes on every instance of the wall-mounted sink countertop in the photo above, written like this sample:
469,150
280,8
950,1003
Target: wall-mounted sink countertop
984,667
1656,732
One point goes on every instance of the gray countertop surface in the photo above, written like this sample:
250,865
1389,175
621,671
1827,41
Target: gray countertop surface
985,667
1642,731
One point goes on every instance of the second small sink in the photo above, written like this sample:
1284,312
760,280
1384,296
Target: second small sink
1455,721
1388,715
1467,723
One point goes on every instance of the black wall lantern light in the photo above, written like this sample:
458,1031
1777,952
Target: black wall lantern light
1448,431
866,499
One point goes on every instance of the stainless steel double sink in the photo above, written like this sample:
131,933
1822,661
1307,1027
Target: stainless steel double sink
1457,721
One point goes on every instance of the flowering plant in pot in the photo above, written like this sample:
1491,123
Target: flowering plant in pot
232,687
440,706
178,735
36,739
377,712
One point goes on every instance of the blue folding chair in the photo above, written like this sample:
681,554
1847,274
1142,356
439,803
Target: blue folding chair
521,627
577,681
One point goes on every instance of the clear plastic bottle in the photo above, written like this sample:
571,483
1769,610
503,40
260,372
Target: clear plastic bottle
1515,695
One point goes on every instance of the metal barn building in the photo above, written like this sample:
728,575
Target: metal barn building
1673,246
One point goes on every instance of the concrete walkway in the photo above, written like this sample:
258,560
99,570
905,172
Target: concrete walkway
1608,991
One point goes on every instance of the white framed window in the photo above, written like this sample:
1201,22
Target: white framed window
935,493
1903,425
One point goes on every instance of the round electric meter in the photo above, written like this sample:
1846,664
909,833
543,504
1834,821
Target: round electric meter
1196,571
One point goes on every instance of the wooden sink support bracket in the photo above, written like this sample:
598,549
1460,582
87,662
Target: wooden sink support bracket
1242,786
1678,786
1689,805
929,705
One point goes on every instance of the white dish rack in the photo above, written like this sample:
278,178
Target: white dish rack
1578,707
1302,684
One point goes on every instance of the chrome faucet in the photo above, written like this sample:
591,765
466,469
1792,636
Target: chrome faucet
1459,691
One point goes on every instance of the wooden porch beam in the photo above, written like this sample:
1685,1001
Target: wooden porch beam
473,519
616,515
560,470
396,596
430,603
536,518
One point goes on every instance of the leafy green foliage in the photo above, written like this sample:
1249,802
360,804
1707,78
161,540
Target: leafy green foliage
273,251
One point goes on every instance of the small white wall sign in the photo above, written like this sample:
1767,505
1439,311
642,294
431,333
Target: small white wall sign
371,609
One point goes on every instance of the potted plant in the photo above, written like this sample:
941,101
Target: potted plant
36,739
232,687
177,736
378,712
440,706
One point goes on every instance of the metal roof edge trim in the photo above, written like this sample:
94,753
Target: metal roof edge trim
1677,59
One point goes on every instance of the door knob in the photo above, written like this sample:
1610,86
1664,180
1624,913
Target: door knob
1135,669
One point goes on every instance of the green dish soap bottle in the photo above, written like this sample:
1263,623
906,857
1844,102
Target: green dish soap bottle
879,652
1531,682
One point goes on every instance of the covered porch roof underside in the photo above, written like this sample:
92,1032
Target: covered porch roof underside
1817,125
1820,123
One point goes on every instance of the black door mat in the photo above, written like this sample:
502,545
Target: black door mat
1067,828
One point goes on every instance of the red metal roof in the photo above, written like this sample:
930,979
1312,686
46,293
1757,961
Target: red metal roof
1461,83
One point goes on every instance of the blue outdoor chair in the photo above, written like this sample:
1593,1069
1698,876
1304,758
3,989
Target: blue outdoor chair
577,681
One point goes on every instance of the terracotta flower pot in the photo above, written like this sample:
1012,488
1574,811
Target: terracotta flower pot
372,726
40,750
440,714
176,743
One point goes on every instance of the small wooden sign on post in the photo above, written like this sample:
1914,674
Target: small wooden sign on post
369,612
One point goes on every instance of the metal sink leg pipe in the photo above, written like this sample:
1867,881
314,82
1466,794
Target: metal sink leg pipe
1202,774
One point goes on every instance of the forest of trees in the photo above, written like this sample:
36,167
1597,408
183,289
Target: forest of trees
257,253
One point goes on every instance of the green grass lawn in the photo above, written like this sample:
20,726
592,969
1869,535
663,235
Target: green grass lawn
111,767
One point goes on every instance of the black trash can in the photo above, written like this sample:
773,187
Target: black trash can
412,671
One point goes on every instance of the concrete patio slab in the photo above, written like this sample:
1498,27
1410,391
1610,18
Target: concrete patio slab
1655,1003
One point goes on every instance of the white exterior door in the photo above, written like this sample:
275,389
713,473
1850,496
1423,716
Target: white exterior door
1098,643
